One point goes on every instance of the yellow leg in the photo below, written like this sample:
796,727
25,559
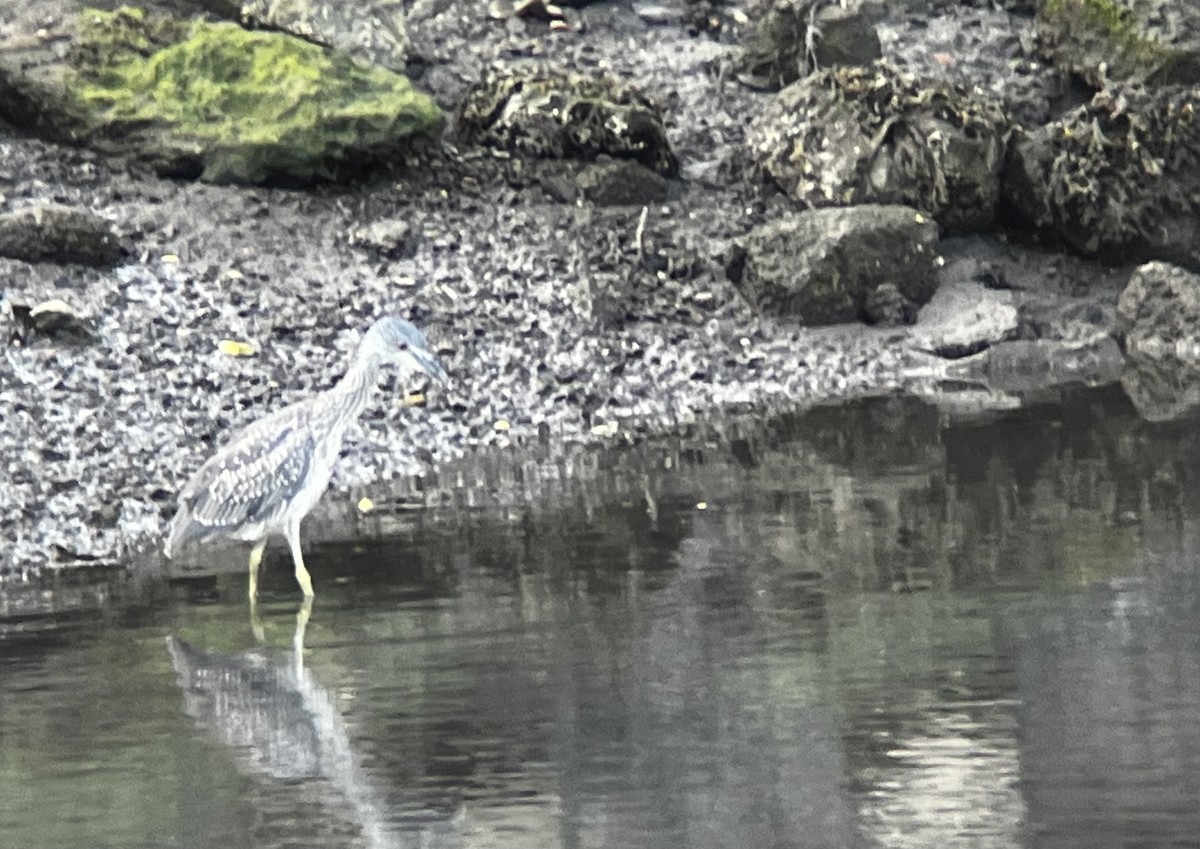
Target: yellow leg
256,556
256,624
302,617
302,576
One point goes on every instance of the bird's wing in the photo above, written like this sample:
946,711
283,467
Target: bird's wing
249,479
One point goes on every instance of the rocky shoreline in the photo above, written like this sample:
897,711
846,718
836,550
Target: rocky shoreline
574,298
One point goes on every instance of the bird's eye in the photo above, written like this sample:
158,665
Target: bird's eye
403,346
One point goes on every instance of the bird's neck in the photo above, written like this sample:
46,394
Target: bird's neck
351,393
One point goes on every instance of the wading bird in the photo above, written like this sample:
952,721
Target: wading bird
272,473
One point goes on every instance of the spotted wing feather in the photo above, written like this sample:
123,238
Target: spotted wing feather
248,482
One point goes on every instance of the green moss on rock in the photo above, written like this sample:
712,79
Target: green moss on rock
1105,40
246,106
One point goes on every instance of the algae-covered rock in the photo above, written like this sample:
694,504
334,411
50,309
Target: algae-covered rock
560,115
230,105
1118,177
875,135
1106,41
825,266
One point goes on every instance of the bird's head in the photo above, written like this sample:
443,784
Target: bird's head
395,342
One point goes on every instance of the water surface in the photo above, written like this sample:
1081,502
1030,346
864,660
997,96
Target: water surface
872,626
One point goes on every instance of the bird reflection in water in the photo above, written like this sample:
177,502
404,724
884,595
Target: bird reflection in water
284,725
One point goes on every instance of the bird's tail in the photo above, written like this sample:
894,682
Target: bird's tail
181,531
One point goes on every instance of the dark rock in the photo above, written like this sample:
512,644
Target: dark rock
51,232
876,135
229,9
887,307
792,37
54,319
1106,41
621,182
538,10
1119,177
562,184
821,266
547,113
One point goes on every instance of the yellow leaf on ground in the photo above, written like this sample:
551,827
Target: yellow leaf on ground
233,348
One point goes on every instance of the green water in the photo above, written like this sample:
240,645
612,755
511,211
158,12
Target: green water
877,626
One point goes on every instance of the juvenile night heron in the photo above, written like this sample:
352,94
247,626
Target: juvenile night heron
272,473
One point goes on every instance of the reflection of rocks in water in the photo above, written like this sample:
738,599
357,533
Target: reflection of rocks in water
1163,388
872,436
1158,315
284,725
888,494
885,493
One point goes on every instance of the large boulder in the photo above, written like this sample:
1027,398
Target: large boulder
823,266
1103,41
213,100
1118,177
875,135
1158,318
792,37
542,112
1159,309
